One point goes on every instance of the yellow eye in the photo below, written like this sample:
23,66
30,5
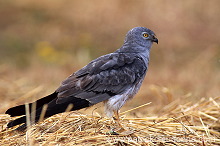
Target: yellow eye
145,35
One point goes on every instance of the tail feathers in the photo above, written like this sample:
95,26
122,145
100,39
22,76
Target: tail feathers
16,122
52,109
20,110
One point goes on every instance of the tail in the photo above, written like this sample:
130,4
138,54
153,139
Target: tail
20,110
52,109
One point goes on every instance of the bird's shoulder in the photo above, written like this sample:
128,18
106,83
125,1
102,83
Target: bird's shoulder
105,62
108,63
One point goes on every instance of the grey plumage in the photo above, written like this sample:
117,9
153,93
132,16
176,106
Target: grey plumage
113,78
115,75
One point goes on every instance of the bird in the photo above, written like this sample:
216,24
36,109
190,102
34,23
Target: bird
112,79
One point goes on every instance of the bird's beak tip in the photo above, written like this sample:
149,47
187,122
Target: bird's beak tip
155,40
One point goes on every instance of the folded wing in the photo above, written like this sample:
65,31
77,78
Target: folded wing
103,78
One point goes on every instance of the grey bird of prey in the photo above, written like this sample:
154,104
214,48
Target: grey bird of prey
113,79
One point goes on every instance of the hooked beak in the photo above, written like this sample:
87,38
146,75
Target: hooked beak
154,39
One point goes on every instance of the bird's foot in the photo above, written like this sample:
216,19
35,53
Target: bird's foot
120,130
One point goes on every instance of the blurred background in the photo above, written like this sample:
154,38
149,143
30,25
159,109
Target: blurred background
43,42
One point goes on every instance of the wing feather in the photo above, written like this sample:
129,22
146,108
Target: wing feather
103,78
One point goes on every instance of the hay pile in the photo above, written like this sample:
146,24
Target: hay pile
182,124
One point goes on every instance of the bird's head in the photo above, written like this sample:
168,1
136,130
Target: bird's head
141,36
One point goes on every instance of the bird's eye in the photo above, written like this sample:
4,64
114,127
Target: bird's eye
145,35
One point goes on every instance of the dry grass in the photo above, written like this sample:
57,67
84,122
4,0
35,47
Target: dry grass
181,124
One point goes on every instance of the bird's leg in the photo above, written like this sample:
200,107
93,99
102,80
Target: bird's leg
117,119
122,130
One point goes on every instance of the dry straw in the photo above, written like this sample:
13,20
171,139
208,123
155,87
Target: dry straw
186,124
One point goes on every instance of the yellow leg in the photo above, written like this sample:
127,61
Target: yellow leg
122,130
117,119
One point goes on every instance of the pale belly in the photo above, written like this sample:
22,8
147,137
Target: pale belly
116,102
